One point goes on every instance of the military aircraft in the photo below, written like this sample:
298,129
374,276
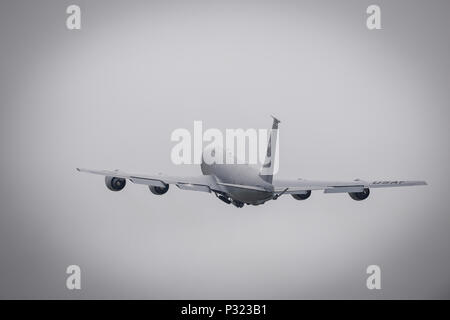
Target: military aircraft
241,184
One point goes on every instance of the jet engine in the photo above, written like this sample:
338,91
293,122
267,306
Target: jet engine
114,183
302,196
358,196
159,190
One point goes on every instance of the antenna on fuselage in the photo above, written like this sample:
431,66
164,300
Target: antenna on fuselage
267,169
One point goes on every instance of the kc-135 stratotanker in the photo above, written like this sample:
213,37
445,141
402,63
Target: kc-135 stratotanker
240,184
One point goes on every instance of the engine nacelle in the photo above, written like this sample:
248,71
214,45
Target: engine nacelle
302,196
114,183
159,190
358,196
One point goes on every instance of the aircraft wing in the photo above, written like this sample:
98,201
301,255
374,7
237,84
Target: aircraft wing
300,186
205,183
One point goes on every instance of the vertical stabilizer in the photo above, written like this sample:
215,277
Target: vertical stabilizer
267,169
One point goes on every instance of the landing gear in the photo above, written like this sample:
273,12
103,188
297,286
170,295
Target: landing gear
228,200
237,203
224,198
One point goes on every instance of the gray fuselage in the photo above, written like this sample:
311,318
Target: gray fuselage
240,174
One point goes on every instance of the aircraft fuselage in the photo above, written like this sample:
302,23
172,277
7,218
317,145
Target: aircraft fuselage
240,174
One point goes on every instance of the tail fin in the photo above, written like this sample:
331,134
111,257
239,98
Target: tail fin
267,169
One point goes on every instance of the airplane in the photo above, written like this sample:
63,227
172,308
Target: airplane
240,184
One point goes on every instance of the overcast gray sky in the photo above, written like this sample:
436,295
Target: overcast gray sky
353,103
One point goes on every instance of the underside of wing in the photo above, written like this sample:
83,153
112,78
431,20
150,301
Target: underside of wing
396,183
301,186
203,183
